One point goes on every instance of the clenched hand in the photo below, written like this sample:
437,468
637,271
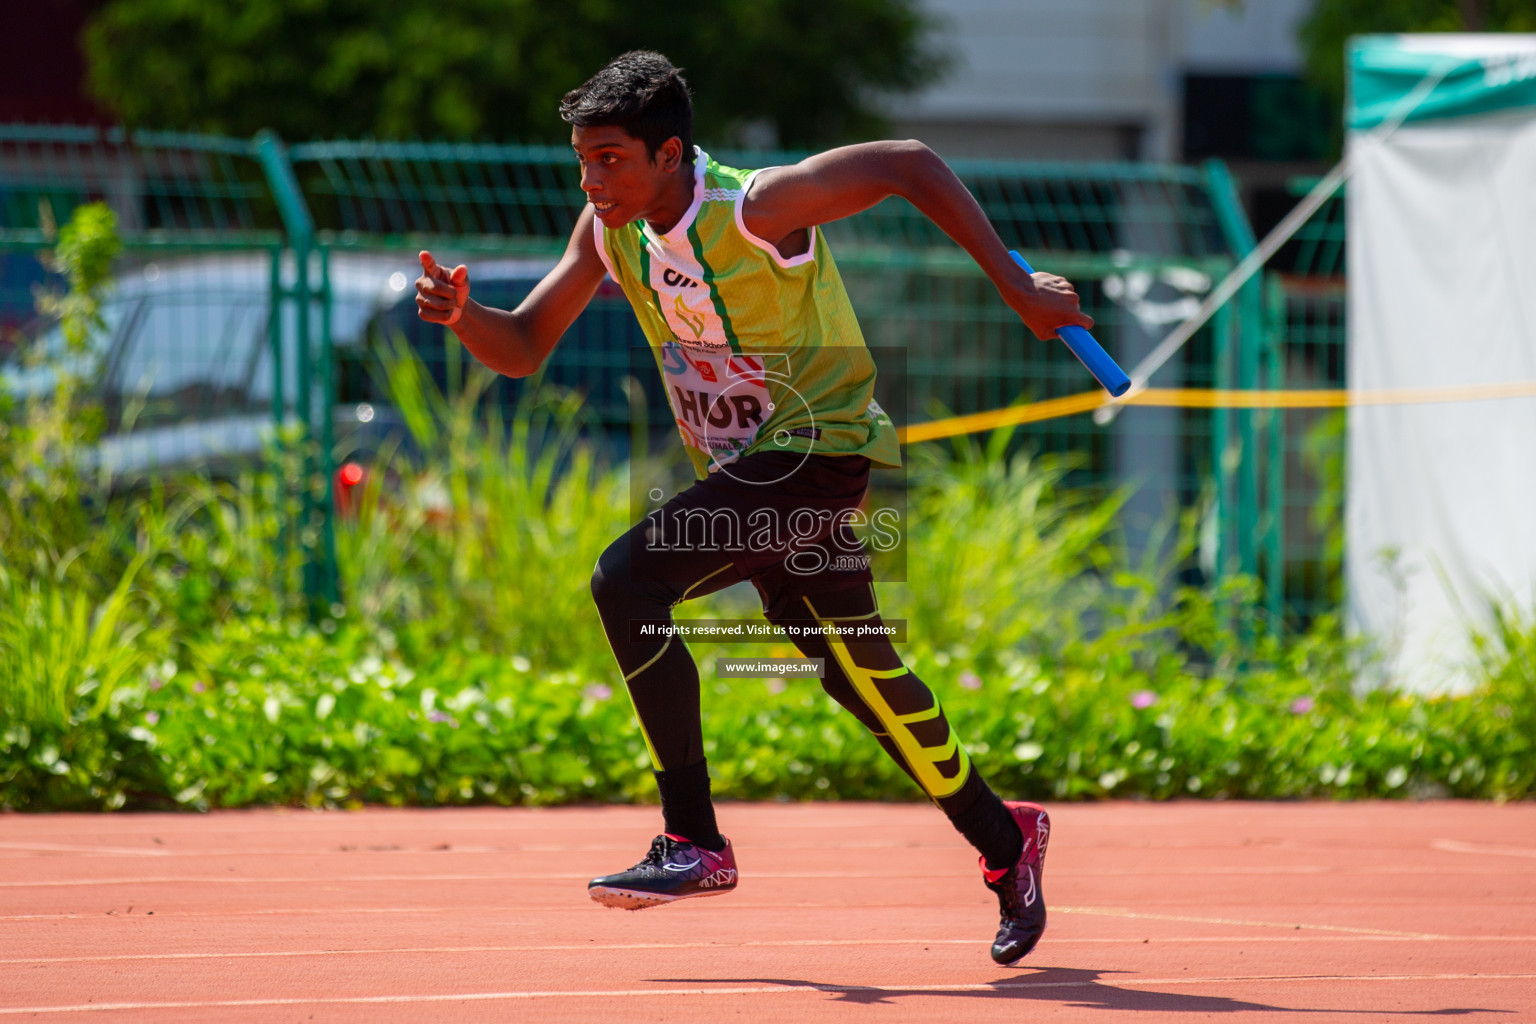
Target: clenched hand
441,293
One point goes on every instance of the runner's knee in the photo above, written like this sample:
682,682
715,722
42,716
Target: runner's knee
613,585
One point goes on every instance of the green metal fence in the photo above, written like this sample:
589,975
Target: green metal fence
211,323
1142,243
1305,313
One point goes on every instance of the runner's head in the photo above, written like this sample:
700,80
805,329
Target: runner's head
632,129
640,92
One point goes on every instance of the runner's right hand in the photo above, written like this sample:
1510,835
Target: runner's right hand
1044,302
441,293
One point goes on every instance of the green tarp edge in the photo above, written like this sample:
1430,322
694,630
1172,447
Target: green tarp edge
1487,73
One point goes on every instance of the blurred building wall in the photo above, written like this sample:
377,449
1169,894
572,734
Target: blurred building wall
1089,79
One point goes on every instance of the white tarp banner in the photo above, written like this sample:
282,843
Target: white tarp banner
1441,506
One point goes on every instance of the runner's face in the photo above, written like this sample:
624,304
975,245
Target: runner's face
621,179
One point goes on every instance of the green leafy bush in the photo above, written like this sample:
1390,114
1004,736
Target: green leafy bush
277,711
418,696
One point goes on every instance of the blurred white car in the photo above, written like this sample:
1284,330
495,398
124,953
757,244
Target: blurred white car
184,371
184,366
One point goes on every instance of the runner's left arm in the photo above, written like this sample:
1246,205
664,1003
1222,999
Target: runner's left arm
844,181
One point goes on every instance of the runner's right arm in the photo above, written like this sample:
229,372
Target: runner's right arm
514,342
841,182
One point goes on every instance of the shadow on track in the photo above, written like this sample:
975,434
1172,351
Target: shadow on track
1076,987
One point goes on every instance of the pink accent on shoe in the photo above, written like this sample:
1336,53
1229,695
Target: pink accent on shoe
720,854
988,873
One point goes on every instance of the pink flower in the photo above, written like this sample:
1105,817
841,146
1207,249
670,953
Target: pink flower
199,686
597,691
1143,699
152,717
1301,705
970,681
439,716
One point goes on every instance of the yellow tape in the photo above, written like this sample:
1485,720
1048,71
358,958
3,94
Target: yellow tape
1205,398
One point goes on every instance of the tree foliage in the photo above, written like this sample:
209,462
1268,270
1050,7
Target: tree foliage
1331,23
809,72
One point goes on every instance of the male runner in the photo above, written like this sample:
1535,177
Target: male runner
772,390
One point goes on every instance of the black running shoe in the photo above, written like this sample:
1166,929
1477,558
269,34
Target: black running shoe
1019,895
674,869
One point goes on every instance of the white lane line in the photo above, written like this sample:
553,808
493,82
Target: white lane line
363,846
515,849
113,851
1292,925
1456,846
383,847
232,879
554,948
295,880
353,850
1023,987
765,943
506,819
749,944
459,911
566,907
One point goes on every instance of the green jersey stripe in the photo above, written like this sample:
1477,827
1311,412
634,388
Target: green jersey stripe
645,276
714,291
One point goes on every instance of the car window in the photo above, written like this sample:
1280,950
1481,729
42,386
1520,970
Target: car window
189,356
349,317
38,379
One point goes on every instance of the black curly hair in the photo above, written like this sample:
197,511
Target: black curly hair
640,92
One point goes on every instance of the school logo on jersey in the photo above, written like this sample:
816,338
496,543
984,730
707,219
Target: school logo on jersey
685,302
692,318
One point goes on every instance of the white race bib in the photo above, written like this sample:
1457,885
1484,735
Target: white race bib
719,399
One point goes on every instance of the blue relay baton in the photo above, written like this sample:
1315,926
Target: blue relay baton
1092,355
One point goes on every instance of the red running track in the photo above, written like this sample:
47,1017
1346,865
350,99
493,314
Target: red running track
846,912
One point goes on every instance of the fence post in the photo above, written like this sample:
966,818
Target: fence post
1248,335
1235,230
279,405
329,588
316,533
1275,492
1223,463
